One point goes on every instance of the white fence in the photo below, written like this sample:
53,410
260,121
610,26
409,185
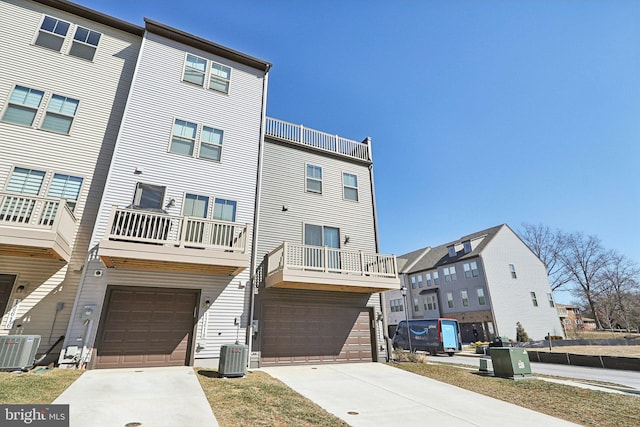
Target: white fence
36,212
136,225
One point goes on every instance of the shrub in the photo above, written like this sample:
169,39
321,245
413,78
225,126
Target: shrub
521,334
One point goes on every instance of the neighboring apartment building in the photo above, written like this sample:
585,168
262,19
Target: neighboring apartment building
167,278
488,281
572,320
318,290
66,72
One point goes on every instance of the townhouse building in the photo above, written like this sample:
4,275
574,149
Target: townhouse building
166,280
66,72
488,281
318,297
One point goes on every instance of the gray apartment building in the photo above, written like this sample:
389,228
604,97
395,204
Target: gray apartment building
488,281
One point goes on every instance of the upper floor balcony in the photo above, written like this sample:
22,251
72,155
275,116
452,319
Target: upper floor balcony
317,140
298,266
149,240
36,227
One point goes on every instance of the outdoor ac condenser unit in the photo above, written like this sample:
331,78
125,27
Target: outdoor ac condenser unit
18,351
233,360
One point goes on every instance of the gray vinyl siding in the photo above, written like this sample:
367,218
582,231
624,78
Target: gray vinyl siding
283,184
158,97
510,298
101,86
215,323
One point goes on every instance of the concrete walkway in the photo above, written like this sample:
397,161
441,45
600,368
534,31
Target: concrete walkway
170,397
374,394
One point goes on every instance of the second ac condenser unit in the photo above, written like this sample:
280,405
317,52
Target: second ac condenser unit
233,360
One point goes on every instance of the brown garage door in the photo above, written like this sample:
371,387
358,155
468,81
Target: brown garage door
301,334
143,327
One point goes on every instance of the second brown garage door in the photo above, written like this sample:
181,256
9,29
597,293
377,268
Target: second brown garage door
306,334
144,327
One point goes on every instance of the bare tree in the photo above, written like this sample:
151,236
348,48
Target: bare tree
616,283
584,259
548,245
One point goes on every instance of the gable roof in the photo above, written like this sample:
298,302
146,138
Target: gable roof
439,255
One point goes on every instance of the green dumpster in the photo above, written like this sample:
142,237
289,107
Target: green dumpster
510,362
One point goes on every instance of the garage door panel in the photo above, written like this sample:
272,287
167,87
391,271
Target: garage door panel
298,334
141,329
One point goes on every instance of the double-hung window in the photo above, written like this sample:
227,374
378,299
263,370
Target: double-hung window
85,42
450,274
420,285
225,210
60,114
211,143
195,69
534,299
396,305
314,179
430,302
550,298
220,77
413,282
416,305
482,300
23,105
450,299
52,33
65,187
184,137
464,295
436,278
470,269
428,275
512,269
350,186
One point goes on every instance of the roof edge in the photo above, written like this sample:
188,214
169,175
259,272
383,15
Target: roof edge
206,45
93,15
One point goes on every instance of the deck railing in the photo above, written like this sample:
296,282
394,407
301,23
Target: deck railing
316,139
330,260
136,225
36,212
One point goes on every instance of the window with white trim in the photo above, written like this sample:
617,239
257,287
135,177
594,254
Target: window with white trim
512,269
85,43
464,295
420,285
195,69
195,205
534,299
148,196
428,277
436,279
61,111
23,105
183,138
550,298
429,302
396,305
416,305
470,269
482,300
450,274
211,143
413,282
313,179
25,181
220,77
452,251
225,210
52,33
350,186
467,247
450,299
65,187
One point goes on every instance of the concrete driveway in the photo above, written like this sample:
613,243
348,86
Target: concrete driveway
374,394
170,397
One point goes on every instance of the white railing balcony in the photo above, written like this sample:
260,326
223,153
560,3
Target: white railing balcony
290,132
313,267
148,236
36,226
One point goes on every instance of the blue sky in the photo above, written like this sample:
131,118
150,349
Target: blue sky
481,113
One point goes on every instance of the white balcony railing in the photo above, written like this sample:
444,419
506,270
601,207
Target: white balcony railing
330,260
317,139
136,225
36,212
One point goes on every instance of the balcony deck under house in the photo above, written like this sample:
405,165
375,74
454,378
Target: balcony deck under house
36,227
146,240
297,266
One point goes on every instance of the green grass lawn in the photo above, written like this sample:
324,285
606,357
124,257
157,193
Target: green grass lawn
41,388
586,407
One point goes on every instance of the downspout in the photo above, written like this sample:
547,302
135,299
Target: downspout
385,327
254,246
